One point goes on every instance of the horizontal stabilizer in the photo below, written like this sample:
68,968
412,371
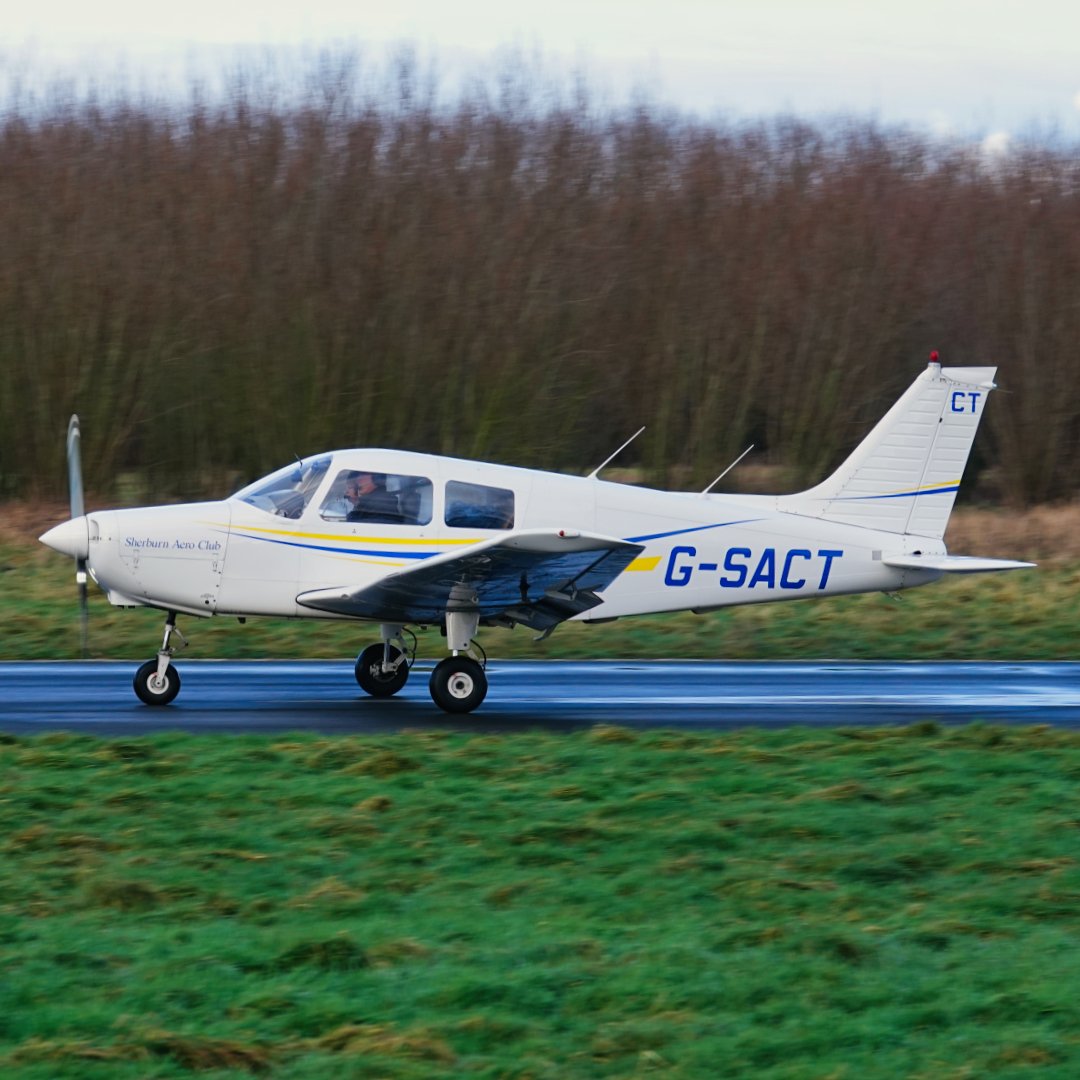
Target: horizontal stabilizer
953,564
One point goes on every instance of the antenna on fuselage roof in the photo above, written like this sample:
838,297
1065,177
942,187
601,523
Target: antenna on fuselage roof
728,469
608,460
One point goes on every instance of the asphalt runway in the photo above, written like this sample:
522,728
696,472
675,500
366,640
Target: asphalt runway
95,697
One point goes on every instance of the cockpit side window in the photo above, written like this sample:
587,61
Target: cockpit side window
288,491
378,498
476,506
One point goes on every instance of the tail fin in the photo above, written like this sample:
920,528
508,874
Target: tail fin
904,475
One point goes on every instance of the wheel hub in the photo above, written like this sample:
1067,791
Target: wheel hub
460,686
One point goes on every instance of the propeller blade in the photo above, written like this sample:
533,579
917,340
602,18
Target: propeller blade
75,487
78,509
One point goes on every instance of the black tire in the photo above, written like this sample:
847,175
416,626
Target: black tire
372,679
458,684
147,693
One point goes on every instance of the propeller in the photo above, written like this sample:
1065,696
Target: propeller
78,509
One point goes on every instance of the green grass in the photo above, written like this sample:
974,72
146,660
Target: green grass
874,904
1022,615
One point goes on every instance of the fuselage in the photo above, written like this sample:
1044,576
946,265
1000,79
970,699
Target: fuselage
254,553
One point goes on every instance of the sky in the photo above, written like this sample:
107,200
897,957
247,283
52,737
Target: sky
991,69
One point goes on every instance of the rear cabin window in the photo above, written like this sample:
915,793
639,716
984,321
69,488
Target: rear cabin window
476,506
378,498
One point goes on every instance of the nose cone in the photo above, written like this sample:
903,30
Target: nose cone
69,538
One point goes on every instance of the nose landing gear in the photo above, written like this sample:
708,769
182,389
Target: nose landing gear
157,682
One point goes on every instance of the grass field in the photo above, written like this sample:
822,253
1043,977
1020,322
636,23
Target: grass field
1008,617
1025,615
897,903
1022,615
790,904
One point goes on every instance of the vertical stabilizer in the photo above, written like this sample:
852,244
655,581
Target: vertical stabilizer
904,475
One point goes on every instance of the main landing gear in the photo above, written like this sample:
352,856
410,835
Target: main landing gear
457,685
157,682
383,669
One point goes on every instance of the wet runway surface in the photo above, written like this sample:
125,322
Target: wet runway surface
270,696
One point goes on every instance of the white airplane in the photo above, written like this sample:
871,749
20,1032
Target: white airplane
414,540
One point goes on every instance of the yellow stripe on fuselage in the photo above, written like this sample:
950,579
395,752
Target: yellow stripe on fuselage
649,562
368,562
396,541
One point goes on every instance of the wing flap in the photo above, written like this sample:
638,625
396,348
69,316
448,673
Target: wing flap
536,577
953,564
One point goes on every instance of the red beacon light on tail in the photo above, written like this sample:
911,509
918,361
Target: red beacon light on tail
935,359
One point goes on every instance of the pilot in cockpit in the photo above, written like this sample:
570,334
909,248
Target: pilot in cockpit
373,502
359,495
342,500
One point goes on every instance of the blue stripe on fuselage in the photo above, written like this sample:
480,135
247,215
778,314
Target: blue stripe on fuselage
900,494
682,532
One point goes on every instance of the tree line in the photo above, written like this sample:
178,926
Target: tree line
218,283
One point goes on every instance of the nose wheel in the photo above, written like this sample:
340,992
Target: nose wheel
157,682
458,684
154,689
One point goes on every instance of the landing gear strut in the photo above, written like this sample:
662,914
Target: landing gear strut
157,682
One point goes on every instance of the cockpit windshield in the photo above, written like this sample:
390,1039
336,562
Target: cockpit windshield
287,491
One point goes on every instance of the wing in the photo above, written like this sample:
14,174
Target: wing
536,577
